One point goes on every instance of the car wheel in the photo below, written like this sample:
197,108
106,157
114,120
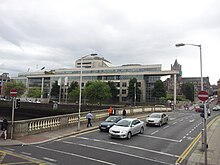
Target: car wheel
142,130
147,124
129,135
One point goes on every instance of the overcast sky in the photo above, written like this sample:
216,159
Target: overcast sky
54,33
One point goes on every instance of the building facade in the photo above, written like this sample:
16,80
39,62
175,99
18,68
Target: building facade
96,68
4,78
196,81
169,83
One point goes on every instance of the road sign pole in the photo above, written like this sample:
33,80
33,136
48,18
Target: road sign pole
205,133
12,116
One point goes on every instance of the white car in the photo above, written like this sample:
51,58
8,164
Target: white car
125,128
157,119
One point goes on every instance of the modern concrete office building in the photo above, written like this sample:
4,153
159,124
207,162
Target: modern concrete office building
97,68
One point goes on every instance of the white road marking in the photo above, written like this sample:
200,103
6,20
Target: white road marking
10,149
119,152
134,147
166,127
192,120
80,156
26,153
172,119
155,137
181,120
174,123
154,132
49,159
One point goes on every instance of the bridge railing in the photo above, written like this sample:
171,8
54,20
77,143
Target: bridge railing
39,125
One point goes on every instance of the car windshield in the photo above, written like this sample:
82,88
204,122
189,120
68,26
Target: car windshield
124,123
155,115
112,119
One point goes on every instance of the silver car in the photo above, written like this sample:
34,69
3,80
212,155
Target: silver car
125,128
157,119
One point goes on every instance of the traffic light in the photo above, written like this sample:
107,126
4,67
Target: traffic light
17,104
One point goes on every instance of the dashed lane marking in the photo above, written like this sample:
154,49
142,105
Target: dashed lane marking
119,152
76,155
26,153
161,138
174,123
129,146
49,159
154,132
166,127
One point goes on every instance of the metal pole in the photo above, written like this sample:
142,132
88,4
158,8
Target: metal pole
200,52
205,112
135,94
80,95
12,116
174,99
60,91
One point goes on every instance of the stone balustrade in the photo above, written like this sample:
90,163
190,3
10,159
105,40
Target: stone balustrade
34,126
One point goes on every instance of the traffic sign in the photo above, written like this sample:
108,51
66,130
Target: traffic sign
203,95
13,93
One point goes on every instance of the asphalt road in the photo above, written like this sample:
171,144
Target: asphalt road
157,146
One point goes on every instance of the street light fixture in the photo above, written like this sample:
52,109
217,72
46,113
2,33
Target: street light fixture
80,88
204,146
200,52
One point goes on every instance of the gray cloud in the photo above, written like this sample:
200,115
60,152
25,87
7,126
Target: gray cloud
54,33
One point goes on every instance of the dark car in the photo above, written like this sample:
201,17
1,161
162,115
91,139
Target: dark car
109,122
199,109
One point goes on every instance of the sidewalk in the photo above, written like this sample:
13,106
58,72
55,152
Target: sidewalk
48,136
213,151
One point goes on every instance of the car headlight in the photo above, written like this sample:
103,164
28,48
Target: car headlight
124,131
157,121
108,126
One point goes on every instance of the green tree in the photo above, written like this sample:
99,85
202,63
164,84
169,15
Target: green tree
113,89
98,92
159,89
74,94
131,90
55,90
74,85
34,92
19,86
188,91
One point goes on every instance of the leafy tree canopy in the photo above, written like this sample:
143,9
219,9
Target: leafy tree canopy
74,85
113,91
55,90
188,91
19,86
98,92
34,92
159,89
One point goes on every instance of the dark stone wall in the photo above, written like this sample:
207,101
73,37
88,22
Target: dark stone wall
29,110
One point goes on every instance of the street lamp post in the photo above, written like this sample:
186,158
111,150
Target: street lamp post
80,88
204,138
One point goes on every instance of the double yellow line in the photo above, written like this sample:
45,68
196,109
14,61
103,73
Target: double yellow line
27,160
194,142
